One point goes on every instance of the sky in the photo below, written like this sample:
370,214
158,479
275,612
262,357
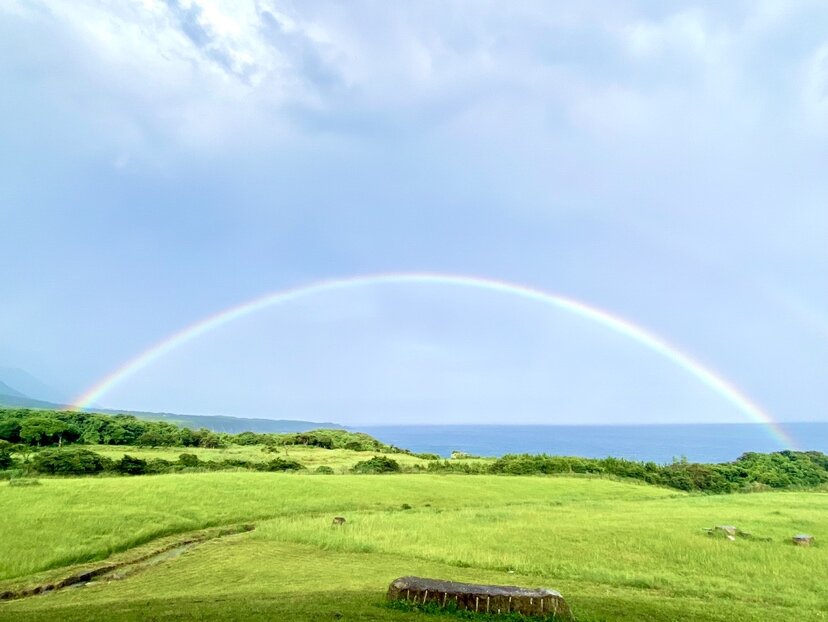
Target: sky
661,162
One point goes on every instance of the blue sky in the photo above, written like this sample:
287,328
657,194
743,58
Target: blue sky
161,161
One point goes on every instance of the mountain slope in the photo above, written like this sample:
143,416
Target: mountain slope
6,390
27,385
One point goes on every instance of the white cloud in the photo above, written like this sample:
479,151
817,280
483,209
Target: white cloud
686,33
814,93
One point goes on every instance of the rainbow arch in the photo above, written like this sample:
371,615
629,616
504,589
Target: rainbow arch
645,338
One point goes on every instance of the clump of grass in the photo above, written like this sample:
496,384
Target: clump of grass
24,481
451,609
10,474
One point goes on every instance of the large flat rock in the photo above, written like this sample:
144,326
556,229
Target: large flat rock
481,598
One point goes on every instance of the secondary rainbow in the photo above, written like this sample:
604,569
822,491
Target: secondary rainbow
645,338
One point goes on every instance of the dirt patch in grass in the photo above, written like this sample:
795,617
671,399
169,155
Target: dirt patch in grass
124,564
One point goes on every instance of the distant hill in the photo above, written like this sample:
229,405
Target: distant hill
223,423
7,390
23,401
17,385
26,385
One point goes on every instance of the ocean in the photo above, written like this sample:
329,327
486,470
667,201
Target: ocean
657,443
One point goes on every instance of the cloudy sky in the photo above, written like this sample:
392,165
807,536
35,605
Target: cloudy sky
662,162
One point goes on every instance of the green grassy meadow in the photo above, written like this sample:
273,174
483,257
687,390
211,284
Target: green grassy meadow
616,550
340,460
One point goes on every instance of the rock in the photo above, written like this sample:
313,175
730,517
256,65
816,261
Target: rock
481,598
803,539
727,531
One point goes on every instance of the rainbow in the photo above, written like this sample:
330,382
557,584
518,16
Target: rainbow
709,378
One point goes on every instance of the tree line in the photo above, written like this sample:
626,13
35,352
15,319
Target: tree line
47,428
750,472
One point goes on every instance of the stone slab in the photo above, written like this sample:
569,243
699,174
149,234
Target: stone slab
481,598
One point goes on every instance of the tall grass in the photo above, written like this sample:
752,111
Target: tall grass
338,459
66,521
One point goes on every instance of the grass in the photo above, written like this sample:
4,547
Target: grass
311,457
617,551
451,610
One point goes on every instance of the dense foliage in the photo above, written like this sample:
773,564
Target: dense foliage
751,471
43,428
69,461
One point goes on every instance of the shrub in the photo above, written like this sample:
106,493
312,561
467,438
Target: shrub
325,470
12,474
129,465
188,460
159,465
232,463
6,459
278,464
377,464
69,461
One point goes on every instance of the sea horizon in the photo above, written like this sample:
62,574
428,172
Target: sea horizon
661,443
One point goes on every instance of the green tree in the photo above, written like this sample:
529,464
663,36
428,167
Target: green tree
6,458
10,428
43,430
68,461
377,464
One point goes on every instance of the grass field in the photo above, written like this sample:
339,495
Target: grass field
617,551
311,457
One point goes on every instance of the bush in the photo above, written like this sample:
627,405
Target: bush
279,464
325,470
6,459
11,474
377,464
188,460
232,463
128,465
159,465
69,461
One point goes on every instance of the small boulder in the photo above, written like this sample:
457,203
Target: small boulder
728,532
803,539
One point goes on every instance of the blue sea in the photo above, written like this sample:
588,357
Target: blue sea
658,443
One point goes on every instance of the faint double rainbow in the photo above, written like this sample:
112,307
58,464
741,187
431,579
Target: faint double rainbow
715,382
